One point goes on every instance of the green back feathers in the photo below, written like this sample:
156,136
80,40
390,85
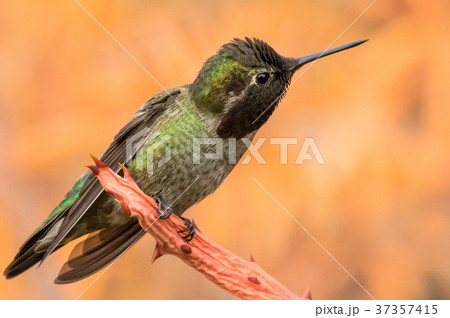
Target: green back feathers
167,136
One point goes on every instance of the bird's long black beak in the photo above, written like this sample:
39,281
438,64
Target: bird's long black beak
312,57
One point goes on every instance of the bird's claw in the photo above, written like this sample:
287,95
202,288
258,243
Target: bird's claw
165,211
189,228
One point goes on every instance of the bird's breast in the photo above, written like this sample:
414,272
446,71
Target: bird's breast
183,162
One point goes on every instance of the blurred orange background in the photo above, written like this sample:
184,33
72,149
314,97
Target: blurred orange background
379,114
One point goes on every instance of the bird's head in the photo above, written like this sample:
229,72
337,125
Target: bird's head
244,81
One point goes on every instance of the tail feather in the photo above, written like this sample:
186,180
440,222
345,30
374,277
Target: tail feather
22,263
98,250
28,254
34,248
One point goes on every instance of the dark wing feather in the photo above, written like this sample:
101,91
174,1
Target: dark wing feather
98,250
116,153
27,256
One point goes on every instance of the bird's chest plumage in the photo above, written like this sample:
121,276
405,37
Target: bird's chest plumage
183,161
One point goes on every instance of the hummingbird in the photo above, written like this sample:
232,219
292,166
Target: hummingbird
234,94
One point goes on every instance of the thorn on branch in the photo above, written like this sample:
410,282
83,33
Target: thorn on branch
195,226
94,169
97,161
307,294
124,207
126,172
156,253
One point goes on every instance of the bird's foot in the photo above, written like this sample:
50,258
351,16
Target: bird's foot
189,228
164,209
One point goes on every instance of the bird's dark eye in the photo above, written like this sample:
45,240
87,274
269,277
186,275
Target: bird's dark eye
262,78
